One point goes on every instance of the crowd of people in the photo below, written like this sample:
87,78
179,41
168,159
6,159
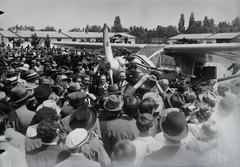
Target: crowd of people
58,109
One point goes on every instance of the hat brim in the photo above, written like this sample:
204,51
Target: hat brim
23,68
112,93
177,137
32,131
33,77
115,109
57,109
168,99
30,92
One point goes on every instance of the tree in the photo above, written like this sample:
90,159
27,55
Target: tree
47,42
192,24
138,32
31,28
181,27
35,40
171,31
208,25
117,26
75,30
224,27
235,27
95,28
198,27
87,28
48,28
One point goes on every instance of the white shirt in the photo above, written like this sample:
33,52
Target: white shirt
145,146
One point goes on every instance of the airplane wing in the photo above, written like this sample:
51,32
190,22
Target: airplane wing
89,45
226,49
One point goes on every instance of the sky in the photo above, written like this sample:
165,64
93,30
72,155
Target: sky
68,14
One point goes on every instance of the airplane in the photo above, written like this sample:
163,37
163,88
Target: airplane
208,60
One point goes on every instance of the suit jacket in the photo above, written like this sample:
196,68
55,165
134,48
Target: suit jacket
119,129
46,155
25,117
170,156
17,139
78,161
11,157
122,85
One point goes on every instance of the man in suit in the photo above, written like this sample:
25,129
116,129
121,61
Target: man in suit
49,154
20,96
174,128
121,128
122,81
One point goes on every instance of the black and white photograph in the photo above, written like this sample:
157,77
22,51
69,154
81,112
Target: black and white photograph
119,83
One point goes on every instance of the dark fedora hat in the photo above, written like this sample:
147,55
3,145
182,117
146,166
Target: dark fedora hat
31,75
44,80
174,125
20,93
175,100
113,103
84,117
113,89
11,72
42,92
11,81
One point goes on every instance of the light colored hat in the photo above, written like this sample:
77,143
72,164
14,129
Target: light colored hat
77,138
49,104
3,96
113,103
208,97
24,67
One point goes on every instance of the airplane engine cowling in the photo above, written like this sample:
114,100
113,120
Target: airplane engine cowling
117,64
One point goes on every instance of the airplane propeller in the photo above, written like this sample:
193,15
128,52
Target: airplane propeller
108,52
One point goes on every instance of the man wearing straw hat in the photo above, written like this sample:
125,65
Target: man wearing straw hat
74,142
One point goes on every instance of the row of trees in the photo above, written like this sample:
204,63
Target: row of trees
207,25
145,35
